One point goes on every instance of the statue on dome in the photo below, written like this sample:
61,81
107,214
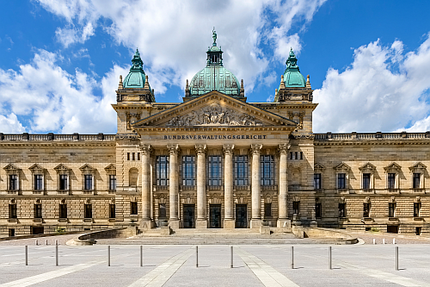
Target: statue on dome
214,36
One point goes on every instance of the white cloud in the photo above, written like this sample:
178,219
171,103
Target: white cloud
56,100
173,35
383,90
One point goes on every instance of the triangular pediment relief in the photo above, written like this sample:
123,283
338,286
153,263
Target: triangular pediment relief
367,167
10,167
86,168
36,167
342,167
110,168
214,110
393,167
61,167
418,167
319,167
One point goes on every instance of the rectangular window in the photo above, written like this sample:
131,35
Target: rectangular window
391,181
112,182
341,181
267,209
133,208
63,210
162,210
366,180
162,170
138,156
366,209
132,156
64,185
88,210
291,155
241,170
128,156
317,181
391,209
13,182
318,210
188,170
416,180
13,210
214,170
88,182
111,210
38,210
38,182
267,170
342,210
417,209
301,155
296,207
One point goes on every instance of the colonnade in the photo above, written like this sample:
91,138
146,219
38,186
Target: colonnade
229,220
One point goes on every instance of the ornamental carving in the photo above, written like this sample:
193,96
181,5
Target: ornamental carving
173,149
132,118
214,115
228,149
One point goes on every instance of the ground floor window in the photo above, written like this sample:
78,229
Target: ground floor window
296,207
162,210
63,210
133,208
38,210
318,210
111,210
342,210
268,210
13,210
88,210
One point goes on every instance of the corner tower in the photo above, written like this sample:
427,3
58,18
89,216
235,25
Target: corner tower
214,77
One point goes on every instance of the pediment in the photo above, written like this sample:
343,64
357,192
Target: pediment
342,167
367,167
86,168
318,166
61,167
393,167
214,110
10,167
36,167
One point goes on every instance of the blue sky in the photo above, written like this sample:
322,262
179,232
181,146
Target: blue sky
60,61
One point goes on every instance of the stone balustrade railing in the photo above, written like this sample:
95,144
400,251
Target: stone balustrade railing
57,137
369,136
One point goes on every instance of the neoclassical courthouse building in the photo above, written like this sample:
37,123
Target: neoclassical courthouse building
214,161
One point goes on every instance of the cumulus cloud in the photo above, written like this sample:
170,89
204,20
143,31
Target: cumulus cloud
384,89
173,35
55,100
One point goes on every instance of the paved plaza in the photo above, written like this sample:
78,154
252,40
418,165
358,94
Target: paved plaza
253,265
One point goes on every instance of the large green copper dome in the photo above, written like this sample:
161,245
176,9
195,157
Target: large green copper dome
214,77
292,76
136,77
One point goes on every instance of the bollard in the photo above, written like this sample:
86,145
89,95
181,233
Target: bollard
36,242
46,242
397,258
56,242
292,257
197,256
26,255
231,258
394,240
383,240
56,255
374,241
330,260
108,255
141,256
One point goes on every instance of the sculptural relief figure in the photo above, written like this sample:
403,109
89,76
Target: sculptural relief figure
214,115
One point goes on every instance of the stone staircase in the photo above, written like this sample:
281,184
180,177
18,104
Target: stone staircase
208,236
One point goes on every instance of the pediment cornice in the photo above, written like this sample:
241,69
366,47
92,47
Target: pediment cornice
215,110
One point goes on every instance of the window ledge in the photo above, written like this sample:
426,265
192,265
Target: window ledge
63,220
419,218
241,187
393,219
12,220
88,220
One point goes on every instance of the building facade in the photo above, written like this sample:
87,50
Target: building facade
214,161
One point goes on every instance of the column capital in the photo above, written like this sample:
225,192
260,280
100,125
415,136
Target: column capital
146,149
283,148
200,148
228,148
173,149
255,148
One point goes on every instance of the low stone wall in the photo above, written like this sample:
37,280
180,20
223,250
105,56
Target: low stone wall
90,238
338,236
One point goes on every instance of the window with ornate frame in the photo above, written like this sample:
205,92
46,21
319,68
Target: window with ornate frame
38,176
392,209
393,172
88,177
63,173
318,171
367,176
111,173
267,170
13,178
342,176
418,175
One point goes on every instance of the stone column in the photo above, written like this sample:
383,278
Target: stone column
201,186
146,180
255,186
283,188
228,186
173,186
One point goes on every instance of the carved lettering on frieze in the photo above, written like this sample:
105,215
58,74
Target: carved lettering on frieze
214,115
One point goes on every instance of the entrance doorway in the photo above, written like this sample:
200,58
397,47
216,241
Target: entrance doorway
215,216
189,221
241,216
